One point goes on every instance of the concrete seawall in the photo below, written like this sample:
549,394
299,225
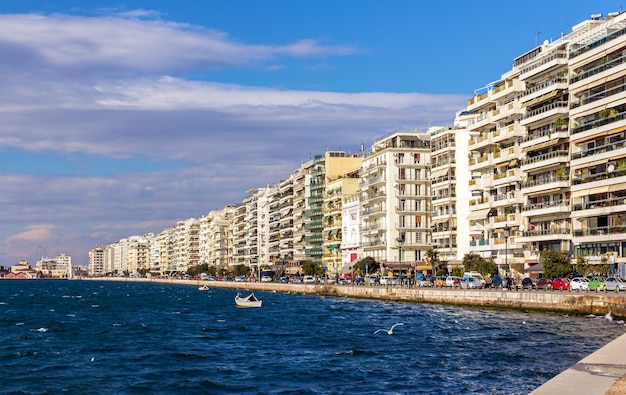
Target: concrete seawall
602,371
549,301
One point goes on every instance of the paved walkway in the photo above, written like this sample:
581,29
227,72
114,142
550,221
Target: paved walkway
601,373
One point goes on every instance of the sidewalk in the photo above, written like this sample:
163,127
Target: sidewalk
601,373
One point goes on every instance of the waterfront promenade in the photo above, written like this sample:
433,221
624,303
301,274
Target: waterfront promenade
597,374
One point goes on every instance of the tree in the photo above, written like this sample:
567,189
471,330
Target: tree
242,270
311,269
432,257
556,263
372,265
473,262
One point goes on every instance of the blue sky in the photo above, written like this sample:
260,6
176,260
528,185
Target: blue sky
122,117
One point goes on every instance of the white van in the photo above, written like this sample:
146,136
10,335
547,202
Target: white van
308,280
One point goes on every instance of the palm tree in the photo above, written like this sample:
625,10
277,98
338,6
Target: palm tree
432,256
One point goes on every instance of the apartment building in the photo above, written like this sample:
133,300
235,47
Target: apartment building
325,168
395,194
450,177
335,194
96,262
548,144
597,70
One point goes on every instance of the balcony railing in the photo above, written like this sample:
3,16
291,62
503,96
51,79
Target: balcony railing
598,122
600,149
597,43
600,231
598,96
544,205
546,108
546,232
546,156
597,69
599,204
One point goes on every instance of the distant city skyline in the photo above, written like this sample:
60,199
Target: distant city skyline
122,118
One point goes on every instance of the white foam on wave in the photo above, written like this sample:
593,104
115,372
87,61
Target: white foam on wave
42,329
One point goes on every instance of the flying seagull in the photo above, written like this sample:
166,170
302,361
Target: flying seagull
390,330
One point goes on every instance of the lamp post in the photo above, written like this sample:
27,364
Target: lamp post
507,229
400,240
336,264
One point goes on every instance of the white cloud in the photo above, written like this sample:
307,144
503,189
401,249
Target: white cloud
104,87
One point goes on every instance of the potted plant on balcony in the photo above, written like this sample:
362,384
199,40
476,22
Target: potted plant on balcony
561,174
559,124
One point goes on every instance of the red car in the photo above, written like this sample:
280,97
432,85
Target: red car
544,283
560,284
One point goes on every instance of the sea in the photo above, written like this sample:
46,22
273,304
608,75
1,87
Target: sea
97,337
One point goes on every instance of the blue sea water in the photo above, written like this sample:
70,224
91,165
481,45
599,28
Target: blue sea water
90,337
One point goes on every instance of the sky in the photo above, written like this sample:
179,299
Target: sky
119,118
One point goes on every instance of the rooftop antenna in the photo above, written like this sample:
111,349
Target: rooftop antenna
537,34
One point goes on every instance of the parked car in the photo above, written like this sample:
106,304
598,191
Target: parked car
496,281
544,283
477,276
471,283
561,284
453,281
440,281
614,284
528,283
266,279
388,281
308,279
425,282
284,280
371,280
596,283
579,284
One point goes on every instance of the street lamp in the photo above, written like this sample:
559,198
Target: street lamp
400,240
507,230
336,248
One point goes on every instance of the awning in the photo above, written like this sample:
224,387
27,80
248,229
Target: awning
539,146
541,98
616,187
478,214
617,130
582,192
293,270
596,190
439,221
513,163
439,173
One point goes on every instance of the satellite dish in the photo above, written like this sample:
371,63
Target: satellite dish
610,168
521,228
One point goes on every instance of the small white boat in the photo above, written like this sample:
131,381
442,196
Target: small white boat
248,301
203,288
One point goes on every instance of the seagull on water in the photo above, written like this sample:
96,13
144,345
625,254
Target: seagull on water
390,330
608,316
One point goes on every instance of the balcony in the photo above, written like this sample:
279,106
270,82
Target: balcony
546,207
598,122
599,149
598,96
554,108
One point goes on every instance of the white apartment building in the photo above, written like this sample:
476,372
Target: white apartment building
395,190
96,262
548,153
597,99
450,195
